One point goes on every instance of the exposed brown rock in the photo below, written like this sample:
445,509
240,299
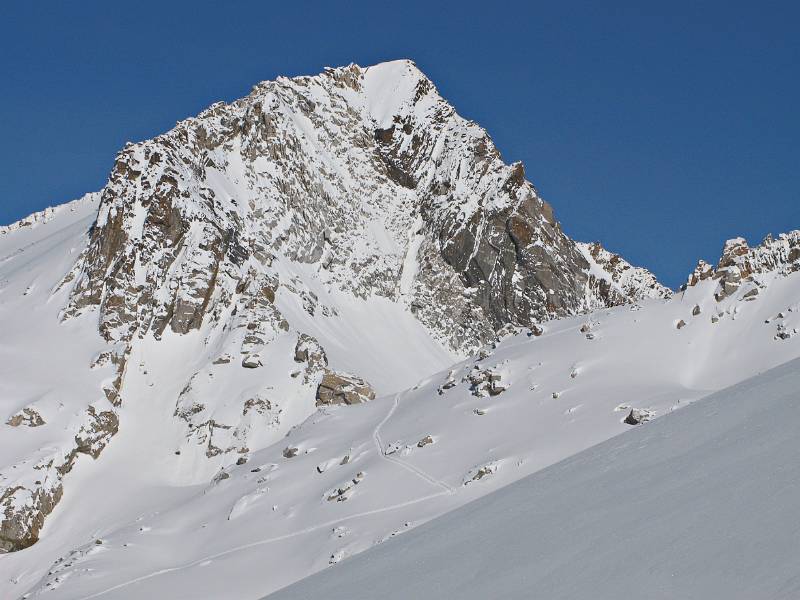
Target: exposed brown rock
20,525
23,510
424,441
309,351
28,417
342,388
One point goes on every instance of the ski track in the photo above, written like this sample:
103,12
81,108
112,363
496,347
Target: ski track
264,543
376,436
447,490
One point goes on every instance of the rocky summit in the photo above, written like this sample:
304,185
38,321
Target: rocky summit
368,176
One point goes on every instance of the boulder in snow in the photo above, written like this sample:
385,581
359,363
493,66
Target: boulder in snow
751,295
479,473
638,416
343,388
251,361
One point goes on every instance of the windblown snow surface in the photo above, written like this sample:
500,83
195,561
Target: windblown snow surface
145,521
701,504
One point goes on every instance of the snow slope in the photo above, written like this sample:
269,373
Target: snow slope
53,372
700,504
34,350
296,506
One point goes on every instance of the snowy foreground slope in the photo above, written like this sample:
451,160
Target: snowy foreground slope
700,504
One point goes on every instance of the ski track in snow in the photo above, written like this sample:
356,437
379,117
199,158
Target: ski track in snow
379,445
446,491
702,508
258,543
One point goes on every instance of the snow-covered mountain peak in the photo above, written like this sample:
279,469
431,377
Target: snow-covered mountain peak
367,174
326,240
396,88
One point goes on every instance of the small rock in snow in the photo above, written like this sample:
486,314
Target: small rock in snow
751,295
638,416
251,361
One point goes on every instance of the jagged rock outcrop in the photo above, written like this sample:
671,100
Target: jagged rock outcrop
22,521
701,272
739,263
311,354
485,382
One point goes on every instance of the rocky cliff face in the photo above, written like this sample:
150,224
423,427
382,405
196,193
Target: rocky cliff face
360,181
366,174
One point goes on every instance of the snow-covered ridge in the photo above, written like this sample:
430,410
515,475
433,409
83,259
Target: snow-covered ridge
334,171
619,275
48,214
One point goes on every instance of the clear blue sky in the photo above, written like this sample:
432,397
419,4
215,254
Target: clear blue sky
658,128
